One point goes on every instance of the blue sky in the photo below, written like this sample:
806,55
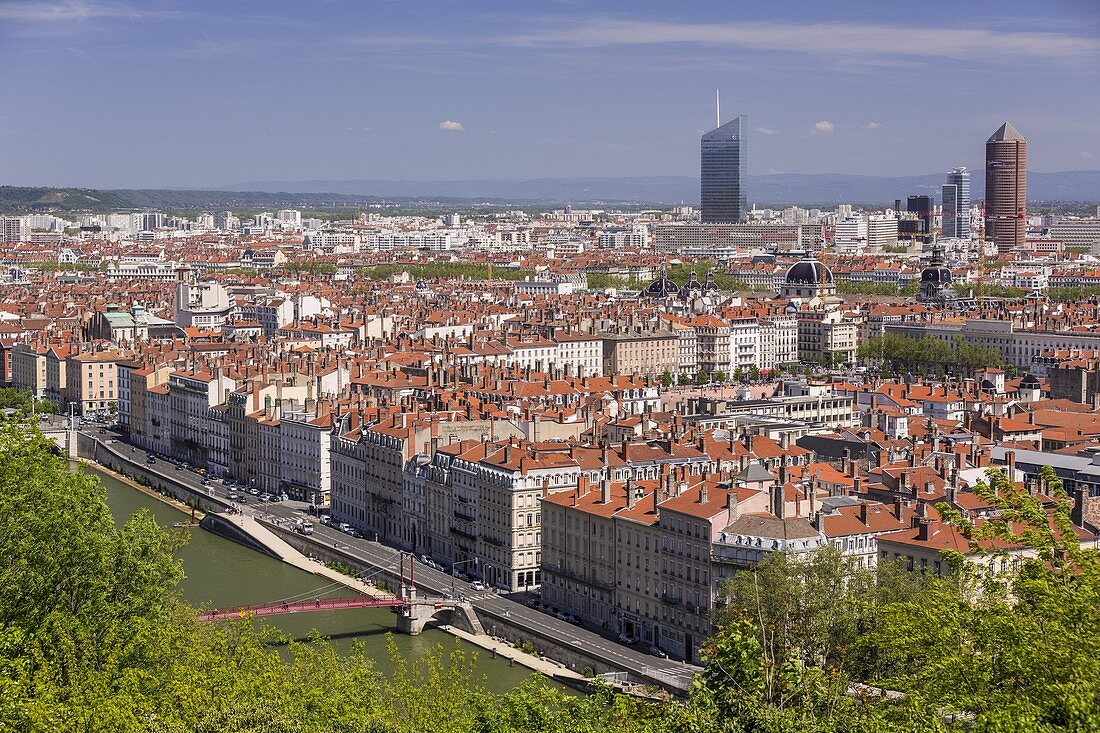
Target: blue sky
118,93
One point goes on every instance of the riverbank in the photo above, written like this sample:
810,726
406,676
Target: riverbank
176,504
284,553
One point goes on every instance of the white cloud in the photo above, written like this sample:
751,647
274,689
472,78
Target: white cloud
832,39
765,131
872,125
69,11
451,126
824,126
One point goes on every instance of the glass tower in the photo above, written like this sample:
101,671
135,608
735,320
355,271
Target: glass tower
956,204
722,173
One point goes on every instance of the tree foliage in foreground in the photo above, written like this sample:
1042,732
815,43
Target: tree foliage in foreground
94,637
978,650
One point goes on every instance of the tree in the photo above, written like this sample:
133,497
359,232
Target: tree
666,378
1007,651
719,377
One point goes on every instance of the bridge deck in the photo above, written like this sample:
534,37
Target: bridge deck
279,608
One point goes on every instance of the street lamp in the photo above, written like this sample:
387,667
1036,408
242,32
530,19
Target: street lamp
455,565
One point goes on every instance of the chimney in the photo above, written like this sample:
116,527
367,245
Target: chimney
778,504
1077,513
605,490
783,473
864,514
1011,456
630,493
857,485
929,487
582,485
925,529
731,505
703,492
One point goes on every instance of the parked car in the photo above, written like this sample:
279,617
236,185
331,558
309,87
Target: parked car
658,652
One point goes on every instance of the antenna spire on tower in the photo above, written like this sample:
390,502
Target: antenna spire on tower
717,109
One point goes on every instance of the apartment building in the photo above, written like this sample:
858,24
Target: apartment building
641,352
92,381
191,396
28,368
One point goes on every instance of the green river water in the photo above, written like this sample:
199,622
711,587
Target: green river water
222,573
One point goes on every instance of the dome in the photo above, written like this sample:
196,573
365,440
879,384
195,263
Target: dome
809,272
662,287
710,286
1030,382
692,287
938,275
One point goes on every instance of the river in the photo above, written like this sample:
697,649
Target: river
222,573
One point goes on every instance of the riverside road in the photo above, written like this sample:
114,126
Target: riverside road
488,604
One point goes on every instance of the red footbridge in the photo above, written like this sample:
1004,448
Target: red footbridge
280,608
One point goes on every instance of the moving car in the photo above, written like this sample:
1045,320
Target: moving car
477,585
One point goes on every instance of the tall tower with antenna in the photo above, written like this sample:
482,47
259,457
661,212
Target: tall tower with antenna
722,157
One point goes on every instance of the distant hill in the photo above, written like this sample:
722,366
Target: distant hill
779,188
22,200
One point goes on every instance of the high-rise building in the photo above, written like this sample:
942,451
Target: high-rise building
14,229
1006,188
921,206
722,173
956,204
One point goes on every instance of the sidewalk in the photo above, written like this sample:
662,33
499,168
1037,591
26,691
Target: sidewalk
289,555
505,650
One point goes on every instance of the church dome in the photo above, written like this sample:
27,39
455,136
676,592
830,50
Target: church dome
938,275
809,272
662,287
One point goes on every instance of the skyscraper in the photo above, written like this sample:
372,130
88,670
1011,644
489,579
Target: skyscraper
1006,188
922,207
722,173
956,204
